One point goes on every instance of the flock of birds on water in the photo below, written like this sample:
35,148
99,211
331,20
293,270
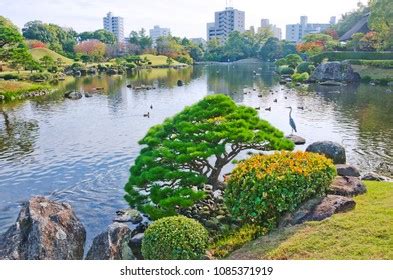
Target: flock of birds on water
291,120
248,91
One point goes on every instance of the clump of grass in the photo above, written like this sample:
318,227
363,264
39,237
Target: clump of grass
235,239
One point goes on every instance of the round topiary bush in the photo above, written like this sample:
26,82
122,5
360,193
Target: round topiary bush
305,67
285,70
261,189
303,77
175,238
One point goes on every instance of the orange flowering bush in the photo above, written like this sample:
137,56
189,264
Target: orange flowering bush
264,187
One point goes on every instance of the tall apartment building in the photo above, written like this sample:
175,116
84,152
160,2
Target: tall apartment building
265,24
296,32
115,25
226,22
158,32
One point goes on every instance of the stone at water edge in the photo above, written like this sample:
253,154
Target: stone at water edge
347,170
335,71
136,245
44,230
128,215
332,150
297,140
112,244
318,209
73,95
347,186
371,176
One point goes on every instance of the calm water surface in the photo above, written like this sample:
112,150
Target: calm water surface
80,151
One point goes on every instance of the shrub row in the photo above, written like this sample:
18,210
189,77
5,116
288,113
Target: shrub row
340,56
387,64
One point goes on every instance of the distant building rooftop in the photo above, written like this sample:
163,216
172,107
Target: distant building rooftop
360,27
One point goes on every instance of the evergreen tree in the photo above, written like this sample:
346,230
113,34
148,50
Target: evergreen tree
192,148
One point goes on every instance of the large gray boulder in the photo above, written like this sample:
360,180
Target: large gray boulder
335,71
331,150
318,209
112,244
347,186
73,95
44,230
136,245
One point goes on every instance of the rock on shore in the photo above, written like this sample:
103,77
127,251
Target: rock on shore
112,244
332,150
44,230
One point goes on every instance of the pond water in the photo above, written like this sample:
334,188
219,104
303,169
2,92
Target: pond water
80,151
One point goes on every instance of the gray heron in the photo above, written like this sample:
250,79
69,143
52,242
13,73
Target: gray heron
291,121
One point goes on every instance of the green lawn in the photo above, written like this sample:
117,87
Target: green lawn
373,72
365,233
38,53
158,60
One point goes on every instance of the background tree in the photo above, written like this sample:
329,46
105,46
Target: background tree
191,149
101,35
94,49
355,43
57,38
12,46
381,21
141,40
47,61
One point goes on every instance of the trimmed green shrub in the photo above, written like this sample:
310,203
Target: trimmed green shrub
285,70
261,189
175,238
297,77
340,56
305,67
281,62
39,77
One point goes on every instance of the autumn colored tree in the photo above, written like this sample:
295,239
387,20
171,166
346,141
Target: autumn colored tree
192,148
310,48
94,49
35,44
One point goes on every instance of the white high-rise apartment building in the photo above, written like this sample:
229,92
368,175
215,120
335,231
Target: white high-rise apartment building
158,32
265,24
296,32
115,25
226,21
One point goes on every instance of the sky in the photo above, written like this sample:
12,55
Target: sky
185,18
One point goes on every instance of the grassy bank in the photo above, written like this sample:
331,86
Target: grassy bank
13,90
373,73
159,60
39,53
364,233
